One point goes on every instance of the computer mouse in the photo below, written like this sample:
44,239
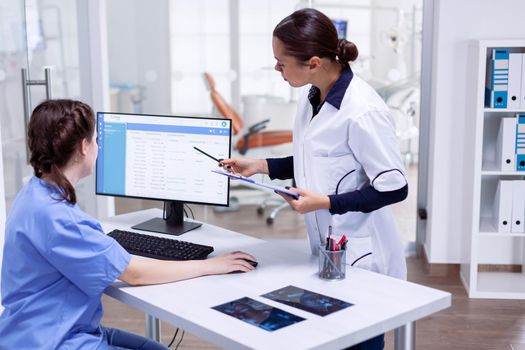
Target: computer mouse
251,262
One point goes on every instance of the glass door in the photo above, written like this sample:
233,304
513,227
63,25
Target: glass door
52,35
38,60
13,58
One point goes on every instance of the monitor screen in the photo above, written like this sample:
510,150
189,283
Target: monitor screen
153,157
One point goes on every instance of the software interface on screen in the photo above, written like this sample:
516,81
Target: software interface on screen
153,157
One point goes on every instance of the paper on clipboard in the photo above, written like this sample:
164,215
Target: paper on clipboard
262,184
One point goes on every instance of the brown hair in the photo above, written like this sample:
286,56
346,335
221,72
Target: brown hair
56,130
308,32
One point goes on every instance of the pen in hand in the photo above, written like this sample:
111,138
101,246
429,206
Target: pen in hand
212,157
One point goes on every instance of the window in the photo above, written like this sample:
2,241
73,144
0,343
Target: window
200,42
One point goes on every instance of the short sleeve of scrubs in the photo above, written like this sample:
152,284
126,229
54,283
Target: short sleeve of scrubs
80,250
374,144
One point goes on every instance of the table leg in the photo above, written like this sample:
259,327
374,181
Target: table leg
405,337
152,327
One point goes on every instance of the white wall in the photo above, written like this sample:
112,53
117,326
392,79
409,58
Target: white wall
455,23
138,45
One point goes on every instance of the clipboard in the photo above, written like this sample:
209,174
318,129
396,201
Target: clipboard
254,182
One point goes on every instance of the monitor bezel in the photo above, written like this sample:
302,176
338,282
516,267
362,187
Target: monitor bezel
164,199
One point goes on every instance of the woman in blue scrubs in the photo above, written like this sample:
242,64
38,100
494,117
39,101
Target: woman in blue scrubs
346,160
57,260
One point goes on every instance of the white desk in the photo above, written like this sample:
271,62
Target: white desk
380,303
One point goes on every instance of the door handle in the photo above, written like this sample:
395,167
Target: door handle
26,83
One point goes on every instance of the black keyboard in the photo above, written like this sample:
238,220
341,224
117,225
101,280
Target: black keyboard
159,248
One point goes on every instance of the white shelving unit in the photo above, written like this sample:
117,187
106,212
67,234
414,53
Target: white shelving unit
483,244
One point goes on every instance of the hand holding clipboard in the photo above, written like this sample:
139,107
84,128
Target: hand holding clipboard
277,189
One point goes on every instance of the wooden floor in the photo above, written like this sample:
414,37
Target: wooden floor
467,324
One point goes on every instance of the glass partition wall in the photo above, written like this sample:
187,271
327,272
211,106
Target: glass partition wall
39,59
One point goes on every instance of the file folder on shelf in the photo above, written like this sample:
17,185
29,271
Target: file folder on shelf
515,81
506,145
503,206
518,206
497,79
520,142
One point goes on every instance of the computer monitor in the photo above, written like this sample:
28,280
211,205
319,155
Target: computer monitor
153,157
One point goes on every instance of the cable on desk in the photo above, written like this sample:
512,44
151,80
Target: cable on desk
180,341
361,257
191,211
173,339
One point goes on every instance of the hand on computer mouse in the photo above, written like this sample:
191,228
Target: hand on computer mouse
236,261
251,262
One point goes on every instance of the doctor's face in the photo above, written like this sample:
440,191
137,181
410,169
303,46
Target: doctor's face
296,73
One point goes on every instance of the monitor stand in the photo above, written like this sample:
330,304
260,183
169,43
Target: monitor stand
174,223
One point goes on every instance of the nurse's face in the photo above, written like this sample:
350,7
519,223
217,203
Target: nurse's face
91,153
296,73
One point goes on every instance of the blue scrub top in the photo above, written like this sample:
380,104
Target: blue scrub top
57,262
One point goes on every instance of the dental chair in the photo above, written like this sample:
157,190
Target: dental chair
252,137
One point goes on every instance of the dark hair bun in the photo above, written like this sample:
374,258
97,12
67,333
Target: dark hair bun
347,51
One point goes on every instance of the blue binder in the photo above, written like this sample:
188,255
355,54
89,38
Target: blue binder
520,142
496,91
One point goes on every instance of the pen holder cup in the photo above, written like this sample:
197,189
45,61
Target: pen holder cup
332,264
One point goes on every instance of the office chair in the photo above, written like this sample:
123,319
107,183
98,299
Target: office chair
254,137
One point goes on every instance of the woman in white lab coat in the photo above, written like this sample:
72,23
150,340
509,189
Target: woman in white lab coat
346,160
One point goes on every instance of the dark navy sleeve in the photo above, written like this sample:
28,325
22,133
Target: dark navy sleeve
280,168
365,200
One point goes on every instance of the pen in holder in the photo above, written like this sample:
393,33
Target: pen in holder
332,263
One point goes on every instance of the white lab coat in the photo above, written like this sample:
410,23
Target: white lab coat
344,150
